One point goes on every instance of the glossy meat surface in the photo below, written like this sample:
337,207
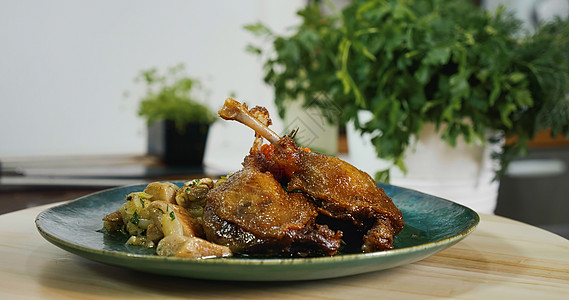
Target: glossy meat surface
258,203
343,191
251,213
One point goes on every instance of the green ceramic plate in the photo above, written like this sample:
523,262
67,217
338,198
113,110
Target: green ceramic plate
432,224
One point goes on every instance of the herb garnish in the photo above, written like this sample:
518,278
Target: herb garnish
192,183
134,219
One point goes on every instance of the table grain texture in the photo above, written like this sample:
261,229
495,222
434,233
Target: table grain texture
501,259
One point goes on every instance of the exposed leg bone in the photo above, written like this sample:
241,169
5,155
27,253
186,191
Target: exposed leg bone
261,114
234,110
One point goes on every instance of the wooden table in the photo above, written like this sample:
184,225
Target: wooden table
501,259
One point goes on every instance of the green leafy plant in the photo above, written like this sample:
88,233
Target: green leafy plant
169,96
446,62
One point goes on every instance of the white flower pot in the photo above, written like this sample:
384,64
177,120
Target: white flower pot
314,131
462,174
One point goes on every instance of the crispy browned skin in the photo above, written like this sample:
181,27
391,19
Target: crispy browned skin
343,191
258,203
252,214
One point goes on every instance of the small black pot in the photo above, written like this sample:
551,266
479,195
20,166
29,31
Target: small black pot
175,147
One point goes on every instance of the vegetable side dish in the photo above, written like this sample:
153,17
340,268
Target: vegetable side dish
286,201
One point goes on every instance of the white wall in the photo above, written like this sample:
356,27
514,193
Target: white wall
64,66
532,11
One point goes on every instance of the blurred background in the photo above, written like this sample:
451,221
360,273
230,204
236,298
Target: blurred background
69,102
68,68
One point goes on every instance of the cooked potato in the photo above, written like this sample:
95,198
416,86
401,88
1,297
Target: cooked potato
191,247
113,221
154,233
173,219
162,191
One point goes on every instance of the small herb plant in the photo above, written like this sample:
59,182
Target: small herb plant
169,96
415,62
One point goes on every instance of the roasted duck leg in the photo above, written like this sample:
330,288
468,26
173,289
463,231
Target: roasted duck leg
340,190
252,214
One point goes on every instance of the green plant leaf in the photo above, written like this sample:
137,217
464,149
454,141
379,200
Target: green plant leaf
522,97
495,92
505,111
423,74
382,176
516,77
253,49
258,29
437,56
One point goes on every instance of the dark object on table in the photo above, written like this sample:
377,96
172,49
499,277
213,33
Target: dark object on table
535,189
173,146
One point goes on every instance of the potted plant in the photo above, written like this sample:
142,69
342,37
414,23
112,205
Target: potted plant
413,64
178,124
